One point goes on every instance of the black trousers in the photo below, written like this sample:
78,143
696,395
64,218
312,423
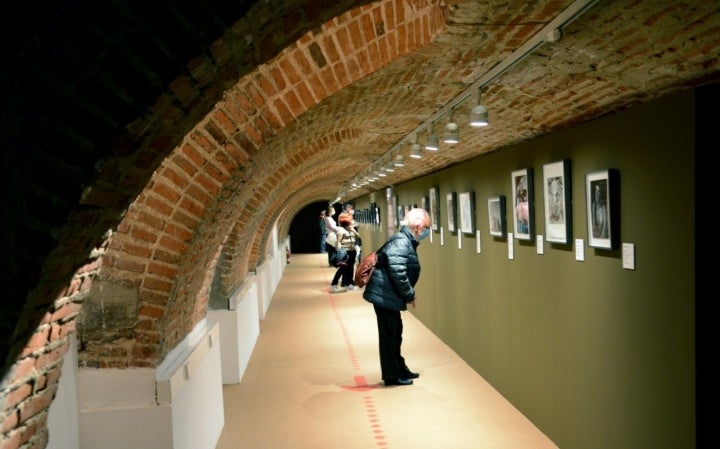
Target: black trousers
390,330
347,271
330,252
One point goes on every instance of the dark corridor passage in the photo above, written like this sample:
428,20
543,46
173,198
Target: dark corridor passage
305,229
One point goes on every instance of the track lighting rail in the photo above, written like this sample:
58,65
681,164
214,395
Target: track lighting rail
552,32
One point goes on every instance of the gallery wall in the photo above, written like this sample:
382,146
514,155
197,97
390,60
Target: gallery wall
595,345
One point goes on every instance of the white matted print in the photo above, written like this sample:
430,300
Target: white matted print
496,216
466,202
603,198
522,205
434,200
558,216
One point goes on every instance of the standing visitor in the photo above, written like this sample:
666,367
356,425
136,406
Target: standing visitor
346,240
391,288
323,231
331,228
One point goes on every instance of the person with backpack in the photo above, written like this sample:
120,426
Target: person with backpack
346,254
391,288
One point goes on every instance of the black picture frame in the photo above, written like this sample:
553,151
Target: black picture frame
396,208
434,201
497,223
523,205
602,193
557,186
466,209
451,203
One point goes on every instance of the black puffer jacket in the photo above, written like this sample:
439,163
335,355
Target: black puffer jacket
396,272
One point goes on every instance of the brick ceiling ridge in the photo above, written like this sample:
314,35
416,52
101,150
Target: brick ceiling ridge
193,201
240,140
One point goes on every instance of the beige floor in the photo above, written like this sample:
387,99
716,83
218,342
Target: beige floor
313,382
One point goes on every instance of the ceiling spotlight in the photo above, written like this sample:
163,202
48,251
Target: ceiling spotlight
452,131
416,151
399,161
479,114
432,143
390,167
554,35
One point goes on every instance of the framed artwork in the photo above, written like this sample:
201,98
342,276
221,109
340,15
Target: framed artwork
496,216
467,212
522,205
434,200
394,207
451,201
558,199
602,192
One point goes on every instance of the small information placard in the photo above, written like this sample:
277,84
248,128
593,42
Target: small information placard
540,245
628,256
579,250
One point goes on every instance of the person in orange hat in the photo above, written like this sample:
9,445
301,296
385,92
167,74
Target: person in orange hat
346,254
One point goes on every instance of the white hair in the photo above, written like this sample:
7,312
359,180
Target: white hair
415,217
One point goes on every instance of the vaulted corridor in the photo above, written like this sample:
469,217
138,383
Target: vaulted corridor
313,382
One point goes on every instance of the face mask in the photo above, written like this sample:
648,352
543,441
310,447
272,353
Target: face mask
424,234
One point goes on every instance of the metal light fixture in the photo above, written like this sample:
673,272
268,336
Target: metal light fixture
416,151
479,113
399,161
452,130
390,167
432,143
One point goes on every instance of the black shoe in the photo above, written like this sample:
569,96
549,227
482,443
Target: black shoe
399,381
411,375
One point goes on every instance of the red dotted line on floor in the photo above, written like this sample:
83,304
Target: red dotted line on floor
361,383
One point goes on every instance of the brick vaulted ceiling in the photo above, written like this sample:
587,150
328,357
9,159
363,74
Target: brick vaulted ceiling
143,140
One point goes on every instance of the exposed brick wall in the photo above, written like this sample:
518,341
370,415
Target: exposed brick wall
73,149
178,223
153,161
94,98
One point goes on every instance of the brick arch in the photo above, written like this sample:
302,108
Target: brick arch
230,172
312,193
84,91
236,263
315,179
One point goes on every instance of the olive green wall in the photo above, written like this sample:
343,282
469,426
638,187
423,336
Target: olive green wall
595,355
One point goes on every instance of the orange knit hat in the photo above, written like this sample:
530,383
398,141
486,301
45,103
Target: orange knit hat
345,219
